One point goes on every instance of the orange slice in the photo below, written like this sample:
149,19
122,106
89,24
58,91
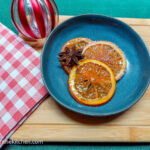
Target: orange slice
91,83
78,43
109,54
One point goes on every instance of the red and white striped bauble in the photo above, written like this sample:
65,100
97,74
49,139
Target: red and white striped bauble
34,18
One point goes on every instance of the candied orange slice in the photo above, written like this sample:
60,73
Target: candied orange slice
78,44
109,54
91,83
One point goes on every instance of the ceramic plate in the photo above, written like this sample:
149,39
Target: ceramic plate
96,27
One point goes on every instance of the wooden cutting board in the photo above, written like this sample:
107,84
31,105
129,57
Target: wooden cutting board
52,122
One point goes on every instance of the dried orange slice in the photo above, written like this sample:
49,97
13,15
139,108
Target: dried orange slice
78,44
109,54
91,83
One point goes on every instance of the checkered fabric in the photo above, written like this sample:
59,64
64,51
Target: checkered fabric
21,86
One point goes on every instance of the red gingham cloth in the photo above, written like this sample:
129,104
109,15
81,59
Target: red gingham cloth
21,86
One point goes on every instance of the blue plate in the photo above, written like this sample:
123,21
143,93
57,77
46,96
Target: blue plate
96,27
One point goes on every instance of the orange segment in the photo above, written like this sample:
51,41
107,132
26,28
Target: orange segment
109,54
78,43
91,83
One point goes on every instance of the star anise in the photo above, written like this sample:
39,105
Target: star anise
71,56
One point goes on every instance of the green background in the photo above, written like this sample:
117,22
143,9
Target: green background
79,147
114,8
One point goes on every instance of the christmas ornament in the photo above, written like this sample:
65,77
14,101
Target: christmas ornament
34,18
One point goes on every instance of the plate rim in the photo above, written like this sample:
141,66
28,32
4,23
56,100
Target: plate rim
83,112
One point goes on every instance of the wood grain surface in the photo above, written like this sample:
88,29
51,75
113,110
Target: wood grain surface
52,122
